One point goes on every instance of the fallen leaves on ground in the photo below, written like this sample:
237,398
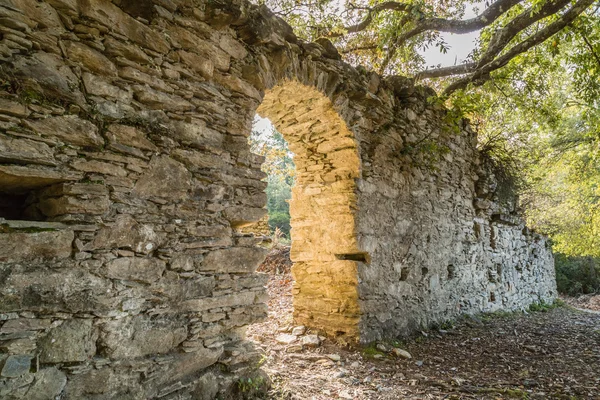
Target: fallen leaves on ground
542,355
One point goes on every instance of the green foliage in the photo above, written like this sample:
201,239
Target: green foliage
252,388
371,350
544,307
577,275
279,166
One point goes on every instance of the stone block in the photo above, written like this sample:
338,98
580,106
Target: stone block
99,167
129,136
233,260
231,300
145,270
140,336
55,206
19,179
201,64
16,365
129,51
18,150
13,108
156,100
193,362
47,74
196,134
25,324
113,17
48,384
164,178
197,160
240,216
51,290
98,86
26,246
127,233
72,341
91,59
105,384
68,128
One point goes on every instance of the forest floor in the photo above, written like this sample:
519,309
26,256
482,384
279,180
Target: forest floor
552,353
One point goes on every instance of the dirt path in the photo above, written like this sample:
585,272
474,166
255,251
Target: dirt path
541,355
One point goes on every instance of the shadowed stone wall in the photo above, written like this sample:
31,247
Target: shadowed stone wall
126,183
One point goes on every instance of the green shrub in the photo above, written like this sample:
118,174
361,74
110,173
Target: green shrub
280,220
577,275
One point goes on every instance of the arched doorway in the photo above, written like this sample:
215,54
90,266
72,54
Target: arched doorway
323,207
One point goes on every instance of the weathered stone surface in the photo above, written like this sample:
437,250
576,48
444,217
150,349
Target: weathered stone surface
130,136
74,340
240,216
99,86
140,336
16,365
46,74
197,134
70,129
236,259
24,150
53,207
207,387
22,246
19,179
91,59
145,270
231,300
111,16
25,324
13,108
165,178
69,290
48,384
105,383
126,232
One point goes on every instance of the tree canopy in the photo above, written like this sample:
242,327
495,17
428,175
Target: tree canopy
530,86
388,35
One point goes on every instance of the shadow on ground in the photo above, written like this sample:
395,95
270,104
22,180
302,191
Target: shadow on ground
553,353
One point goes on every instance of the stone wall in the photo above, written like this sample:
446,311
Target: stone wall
126,182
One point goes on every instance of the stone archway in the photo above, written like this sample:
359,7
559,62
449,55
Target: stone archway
323,207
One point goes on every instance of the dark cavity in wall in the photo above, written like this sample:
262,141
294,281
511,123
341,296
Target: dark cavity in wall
19,207
360,257
451,271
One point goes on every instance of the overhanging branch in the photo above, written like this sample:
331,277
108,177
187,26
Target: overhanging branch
483,73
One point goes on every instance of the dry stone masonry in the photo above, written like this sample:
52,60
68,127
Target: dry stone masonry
127,188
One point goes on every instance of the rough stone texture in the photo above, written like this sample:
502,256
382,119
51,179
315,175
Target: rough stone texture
128,194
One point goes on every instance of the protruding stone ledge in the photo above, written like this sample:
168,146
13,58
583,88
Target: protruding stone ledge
17,179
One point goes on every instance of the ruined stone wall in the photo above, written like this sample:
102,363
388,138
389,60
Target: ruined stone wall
126,181
441,240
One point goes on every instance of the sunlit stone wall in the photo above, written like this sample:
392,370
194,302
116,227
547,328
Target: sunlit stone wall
126,180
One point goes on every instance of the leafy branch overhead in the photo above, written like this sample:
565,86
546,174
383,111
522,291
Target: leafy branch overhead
387,35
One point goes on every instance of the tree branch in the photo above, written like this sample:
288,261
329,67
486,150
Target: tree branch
361,26
491,14
500,39
447,71
589,45
527,18
483,73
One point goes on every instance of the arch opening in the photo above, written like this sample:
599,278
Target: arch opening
324,245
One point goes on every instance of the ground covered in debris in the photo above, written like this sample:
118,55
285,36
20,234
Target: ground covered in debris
548,353
586,301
